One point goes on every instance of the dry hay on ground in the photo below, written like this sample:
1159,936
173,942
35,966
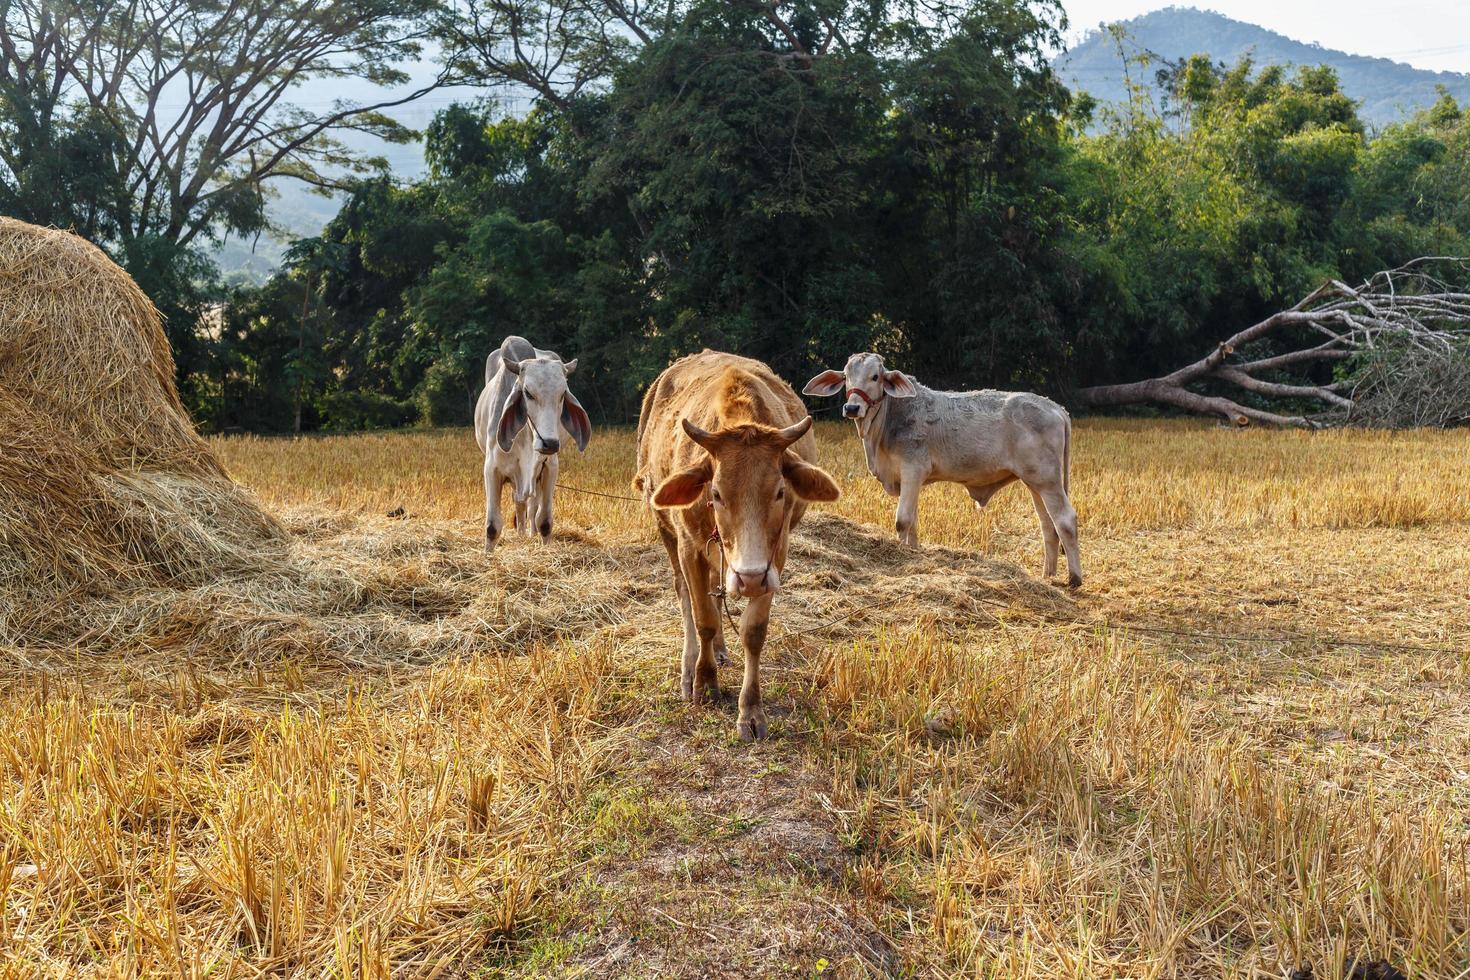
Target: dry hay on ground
104,485
521,760
364,593
955,783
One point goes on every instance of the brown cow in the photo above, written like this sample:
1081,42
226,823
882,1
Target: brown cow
723,443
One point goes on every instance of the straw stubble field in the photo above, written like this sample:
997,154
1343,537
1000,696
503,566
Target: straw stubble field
1238,750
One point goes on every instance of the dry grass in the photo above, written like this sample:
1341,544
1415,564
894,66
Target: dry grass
372,750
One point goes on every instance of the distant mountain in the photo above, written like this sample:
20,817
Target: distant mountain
1388,90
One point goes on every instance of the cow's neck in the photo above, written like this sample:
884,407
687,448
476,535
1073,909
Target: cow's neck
870,431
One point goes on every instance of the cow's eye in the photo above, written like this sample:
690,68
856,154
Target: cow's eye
714,495
781,492
531,395
875,377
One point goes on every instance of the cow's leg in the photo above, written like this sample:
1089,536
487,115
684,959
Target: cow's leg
691,634
526,504
703,679
545,492
907,520
494,523
521,492
753,622
1049,538
1065,520
722,652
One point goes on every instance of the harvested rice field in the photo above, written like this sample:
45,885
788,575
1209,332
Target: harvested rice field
341,741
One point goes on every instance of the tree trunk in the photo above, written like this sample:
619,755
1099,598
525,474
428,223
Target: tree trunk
301,350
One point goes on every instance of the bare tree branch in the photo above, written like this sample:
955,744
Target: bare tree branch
1408,308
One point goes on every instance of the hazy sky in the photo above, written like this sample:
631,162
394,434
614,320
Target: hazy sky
1431,34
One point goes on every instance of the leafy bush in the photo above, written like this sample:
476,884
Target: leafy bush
443,396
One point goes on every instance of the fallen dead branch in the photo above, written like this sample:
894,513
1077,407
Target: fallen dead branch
1407,307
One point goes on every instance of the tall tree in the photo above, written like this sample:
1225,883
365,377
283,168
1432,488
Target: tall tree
166,118
560,49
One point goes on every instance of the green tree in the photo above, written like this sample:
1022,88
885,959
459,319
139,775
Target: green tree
795,181
183,108
1223,218
154,127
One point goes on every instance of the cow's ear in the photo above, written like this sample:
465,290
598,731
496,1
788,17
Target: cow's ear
826,383
684,487
574,419
808,481
896,384
512,419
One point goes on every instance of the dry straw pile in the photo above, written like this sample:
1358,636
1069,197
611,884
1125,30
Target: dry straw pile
120,532
104,484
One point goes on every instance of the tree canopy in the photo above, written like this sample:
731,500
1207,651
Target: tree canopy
794,181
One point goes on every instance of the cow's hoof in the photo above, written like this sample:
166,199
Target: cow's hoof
686,690
752,726
1074,581
545,530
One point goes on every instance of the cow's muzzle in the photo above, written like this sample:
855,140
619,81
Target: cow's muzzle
750,584
858,402
547,447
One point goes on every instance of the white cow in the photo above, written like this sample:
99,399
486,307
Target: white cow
518,421
983,440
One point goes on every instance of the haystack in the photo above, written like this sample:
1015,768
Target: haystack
104,483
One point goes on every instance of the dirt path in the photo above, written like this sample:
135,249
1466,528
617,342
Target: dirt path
727,863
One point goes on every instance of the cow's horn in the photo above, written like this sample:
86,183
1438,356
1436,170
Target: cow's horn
791,433
701,437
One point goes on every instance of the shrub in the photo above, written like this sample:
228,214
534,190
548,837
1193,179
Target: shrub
444,396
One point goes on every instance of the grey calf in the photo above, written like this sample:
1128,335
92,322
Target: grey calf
983,440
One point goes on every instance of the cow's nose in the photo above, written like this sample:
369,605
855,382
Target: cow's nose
548,446
850,410
751,584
